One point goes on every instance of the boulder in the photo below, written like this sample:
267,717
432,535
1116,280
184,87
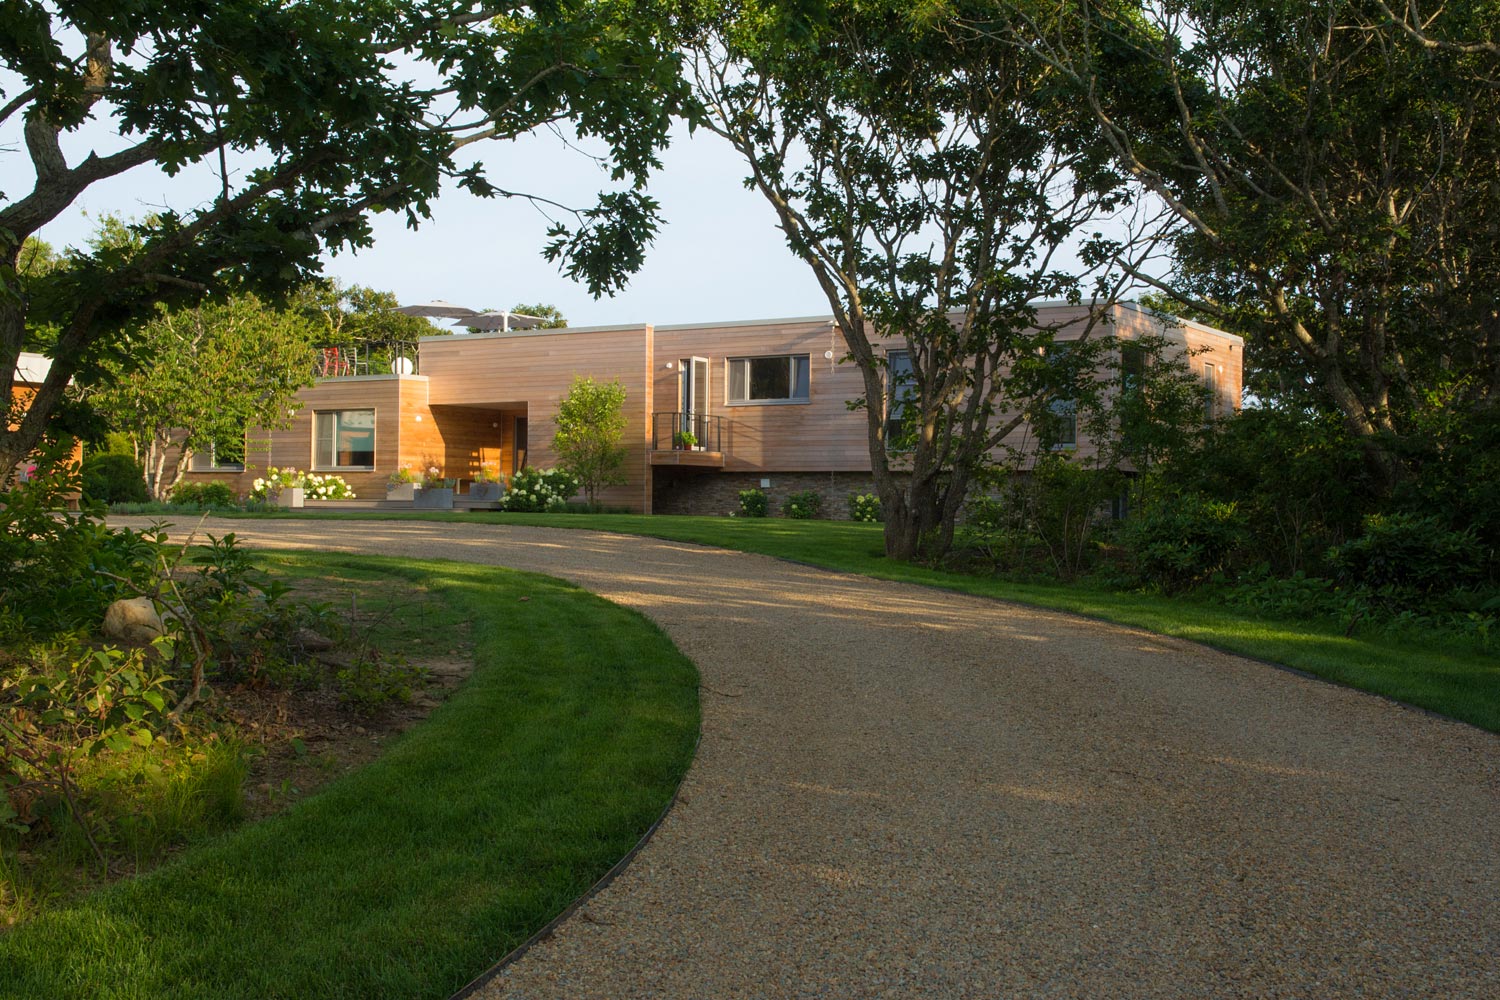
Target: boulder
133,620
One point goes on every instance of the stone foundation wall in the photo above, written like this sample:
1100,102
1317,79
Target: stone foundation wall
717,493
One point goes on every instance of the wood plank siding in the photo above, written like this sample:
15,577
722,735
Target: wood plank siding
527,373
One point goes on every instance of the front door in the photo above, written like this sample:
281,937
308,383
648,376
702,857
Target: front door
693,382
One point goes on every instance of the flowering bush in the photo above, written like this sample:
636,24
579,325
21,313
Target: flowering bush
753,503
315,487
802,505
326,487
534,490
274,482
433,479
864,507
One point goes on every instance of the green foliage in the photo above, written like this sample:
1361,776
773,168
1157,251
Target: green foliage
1337,185
942,168
1409,552
590,431
552,317
1054,508
1299,480
207,495
537,490
802,505
114,478
754,503
209,374
864,507
321,133
1182,541
59,572
371,680
684,440
63,710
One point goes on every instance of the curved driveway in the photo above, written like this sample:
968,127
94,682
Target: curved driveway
908,793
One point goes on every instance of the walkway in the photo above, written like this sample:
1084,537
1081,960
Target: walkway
908,793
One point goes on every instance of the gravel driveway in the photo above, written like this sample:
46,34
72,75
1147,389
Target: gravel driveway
908,793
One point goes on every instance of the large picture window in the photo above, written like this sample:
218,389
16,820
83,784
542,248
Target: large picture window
782,379
344,439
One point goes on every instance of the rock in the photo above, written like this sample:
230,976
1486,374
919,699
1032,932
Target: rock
133,620
313,642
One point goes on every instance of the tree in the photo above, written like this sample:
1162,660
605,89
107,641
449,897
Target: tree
931,180
1334,172
590,427
210,373
552,317
300,112
363,319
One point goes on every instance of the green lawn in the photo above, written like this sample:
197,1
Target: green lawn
1446,678
410,876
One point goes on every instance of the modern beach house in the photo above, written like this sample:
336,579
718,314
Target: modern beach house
763,400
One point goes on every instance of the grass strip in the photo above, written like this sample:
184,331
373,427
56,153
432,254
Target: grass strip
1440,676
412,875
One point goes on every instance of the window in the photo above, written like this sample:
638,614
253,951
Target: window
1211,398
344,439
899,391
1064,423
769,380
1061,430
226,454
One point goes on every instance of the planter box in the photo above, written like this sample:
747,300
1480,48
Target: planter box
436,499
291,496
486,492
401,491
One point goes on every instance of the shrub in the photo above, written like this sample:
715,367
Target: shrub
274,481
316,486
753,503
1408,552
204,495
114,479
59,573
864,507
1182,541
802,505
320,487
538,490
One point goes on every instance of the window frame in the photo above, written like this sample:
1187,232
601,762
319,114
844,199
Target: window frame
730,364
333,466
213,462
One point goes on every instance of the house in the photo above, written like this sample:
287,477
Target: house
763,400
31,371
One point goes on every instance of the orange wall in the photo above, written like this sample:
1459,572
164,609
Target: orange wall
529,372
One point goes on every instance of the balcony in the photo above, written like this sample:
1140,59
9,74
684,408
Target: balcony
687,439
393,357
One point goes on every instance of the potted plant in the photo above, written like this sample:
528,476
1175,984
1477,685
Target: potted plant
401,485
684,441
282,487
436,492
487,485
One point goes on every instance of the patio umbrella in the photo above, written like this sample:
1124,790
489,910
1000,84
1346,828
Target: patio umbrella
438,309
501,320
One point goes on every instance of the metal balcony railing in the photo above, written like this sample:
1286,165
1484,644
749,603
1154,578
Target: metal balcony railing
687,432
393,357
